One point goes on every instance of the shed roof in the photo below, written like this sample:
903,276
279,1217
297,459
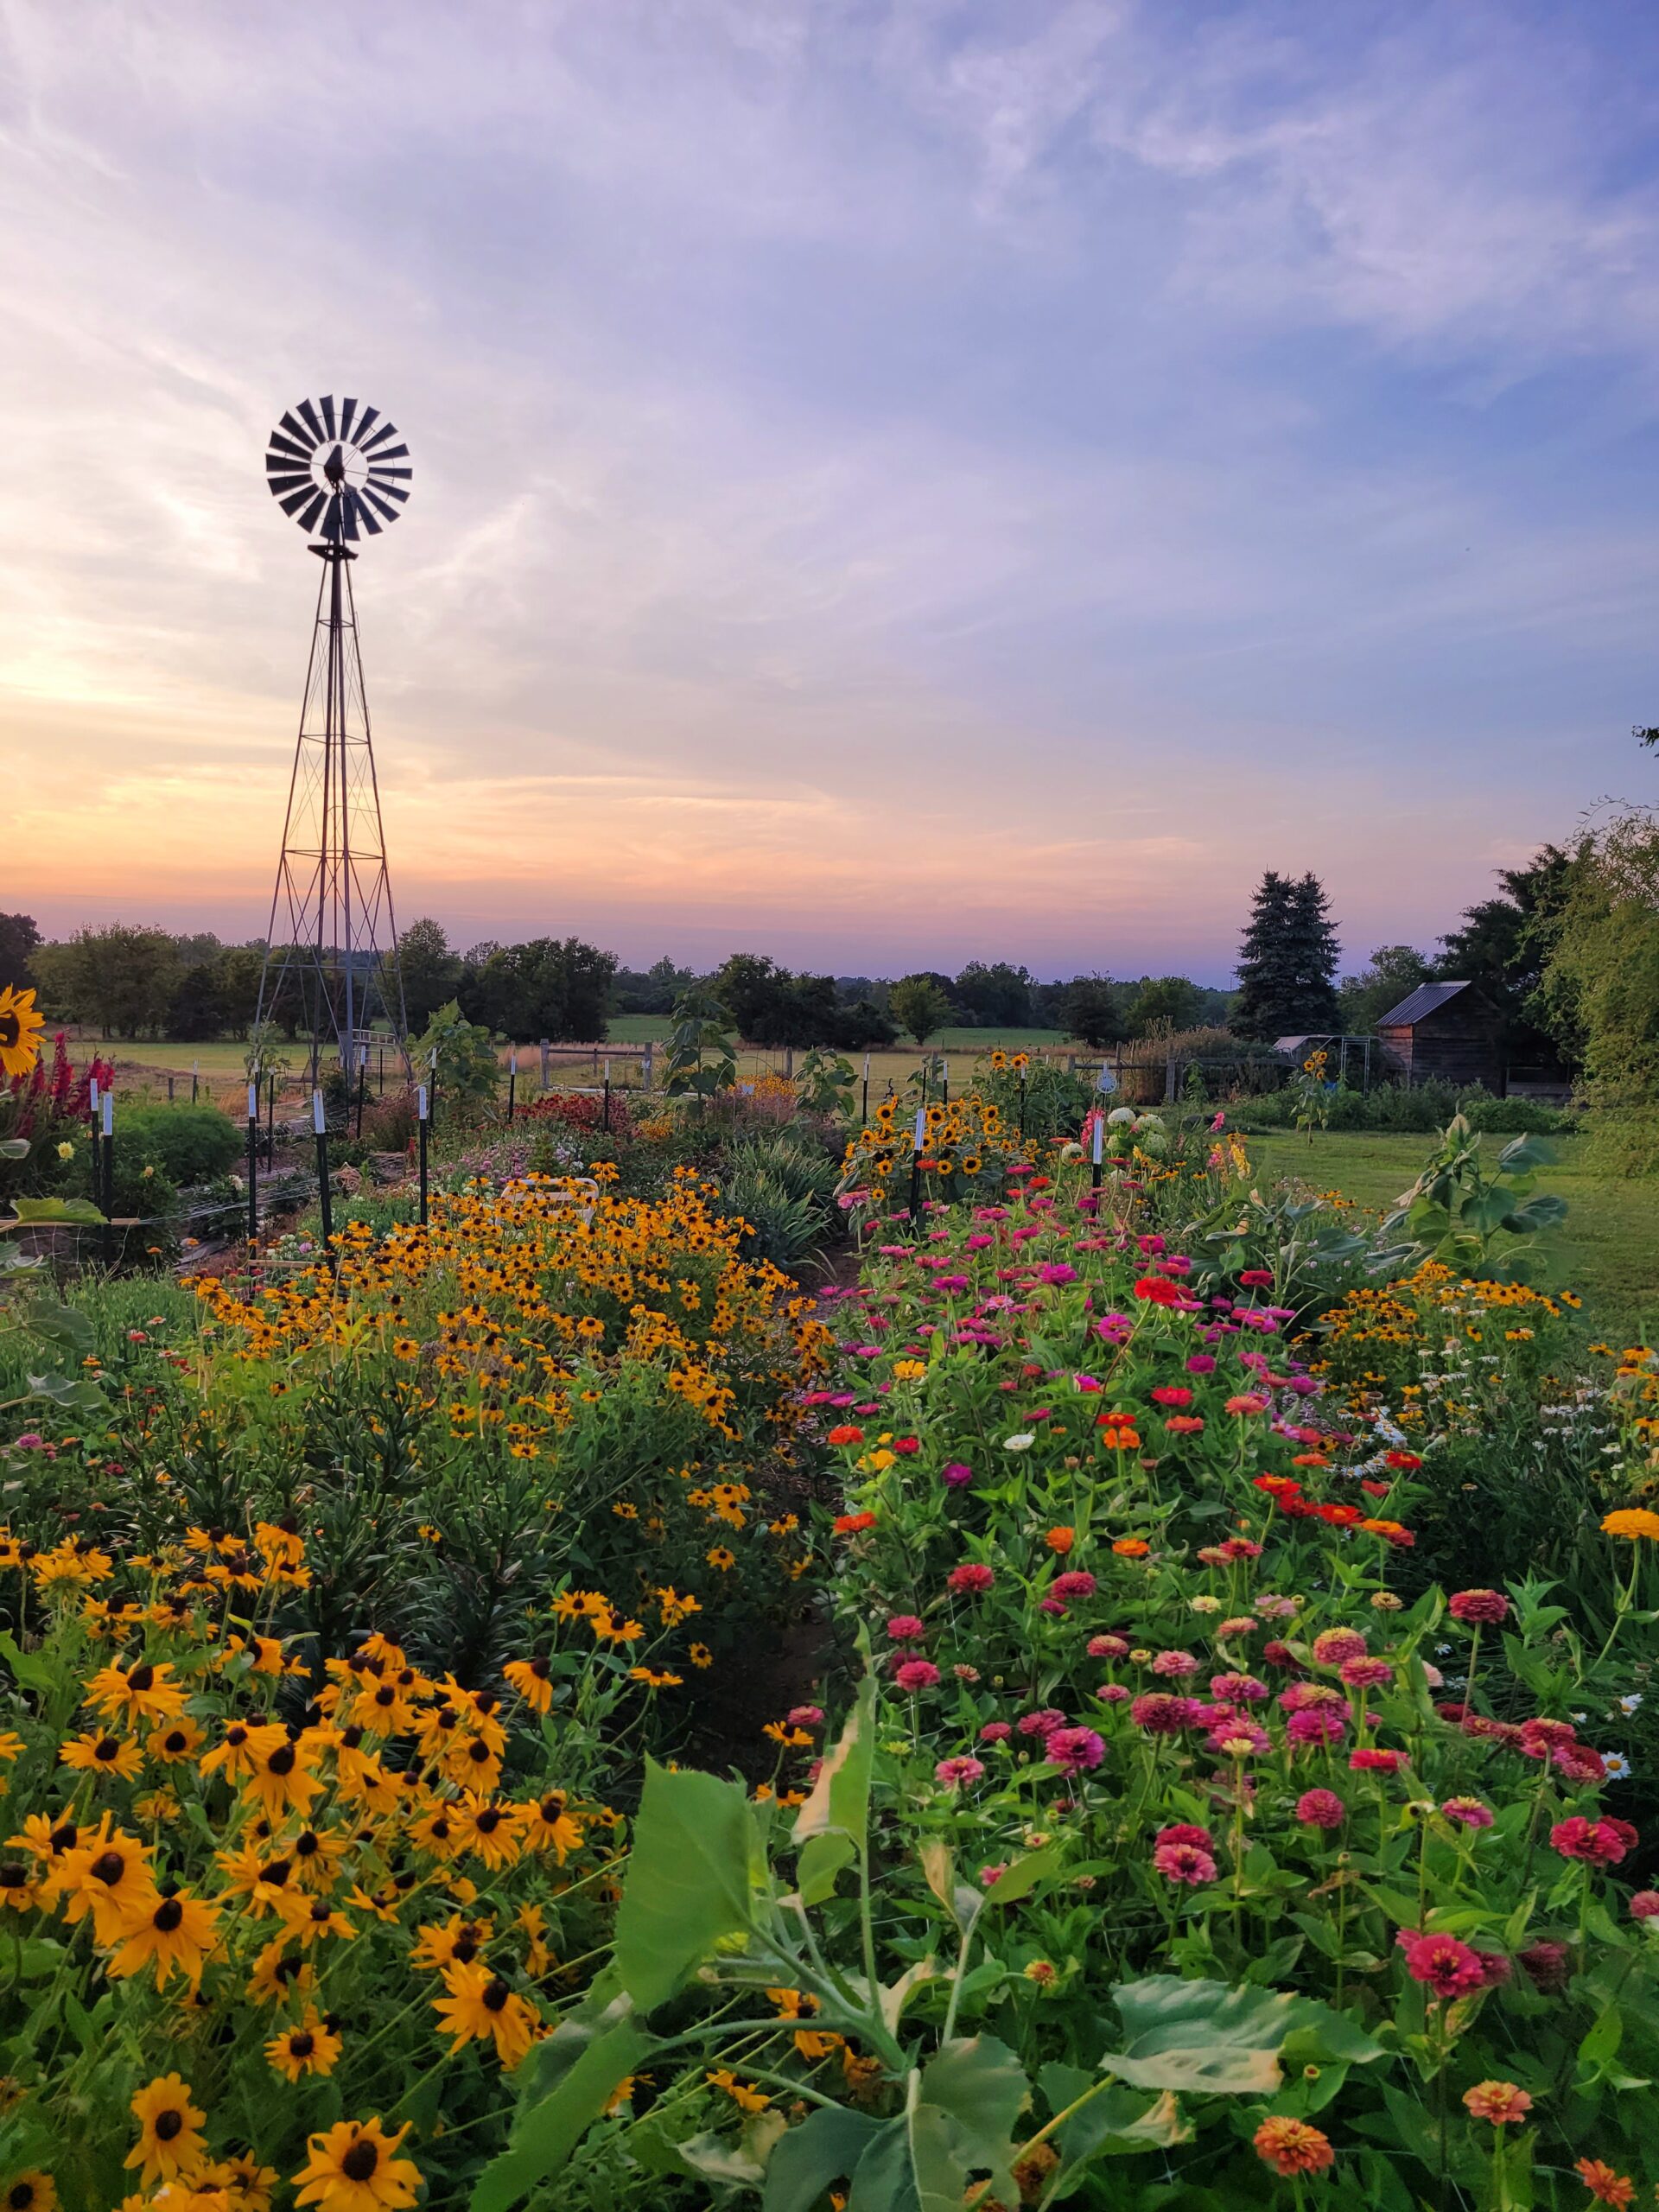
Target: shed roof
1418,1004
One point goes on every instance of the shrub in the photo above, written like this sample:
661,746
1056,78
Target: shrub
187,1144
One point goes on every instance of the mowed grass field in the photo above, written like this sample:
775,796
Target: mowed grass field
1607,1250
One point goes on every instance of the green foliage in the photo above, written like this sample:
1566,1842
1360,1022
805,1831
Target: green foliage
919,1006
1393,972
1094,1011
1476,1223
1288,962
187,1144
1600,981
457,1058
824,1083
782,1184
701,1057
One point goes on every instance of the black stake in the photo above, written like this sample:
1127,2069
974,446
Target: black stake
513,1085
271,1121
320,1127
608,1100
109,1179
865,1114
253,1164
362,1089
917,1142
421,1105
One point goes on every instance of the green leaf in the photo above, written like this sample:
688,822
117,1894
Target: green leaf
33,1673
29,1211
546,2132
1024,1876
1200,2036
820,1863
840,1801
744,2162
14,1148
688,1883
980,2084
910,2166
66,1326
824,2149
71,1394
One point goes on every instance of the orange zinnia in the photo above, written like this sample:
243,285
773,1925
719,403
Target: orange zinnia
1292,2146
1603,2183
1132,1548
1060,1540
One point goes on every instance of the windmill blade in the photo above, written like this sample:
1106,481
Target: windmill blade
278,464
299,430
327,404
371,498
385,475
331,520
291,502
389,453
290,447
348,408
356,508
386,491
369,414
308,520
386,430
310,414
281,485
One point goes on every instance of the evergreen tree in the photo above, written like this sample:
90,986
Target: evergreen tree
1286,962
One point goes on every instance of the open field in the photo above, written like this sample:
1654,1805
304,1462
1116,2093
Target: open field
1608,1249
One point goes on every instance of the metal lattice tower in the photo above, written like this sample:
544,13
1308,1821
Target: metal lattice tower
331,948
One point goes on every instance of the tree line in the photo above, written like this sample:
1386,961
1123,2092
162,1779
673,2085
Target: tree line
1566,947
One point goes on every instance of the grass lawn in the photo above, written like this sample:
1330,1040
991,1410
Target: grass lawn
1607,1249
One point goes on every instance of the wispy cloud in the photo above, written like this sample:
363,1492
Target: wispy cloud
893,478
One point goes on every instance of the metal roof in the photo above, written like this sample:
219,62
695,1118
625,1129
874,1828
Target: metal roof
1418,1004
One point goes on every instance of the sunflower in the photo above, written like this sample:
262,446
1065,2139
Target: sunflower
169,2140
480,2003
20,1031
311,2048
354,2167
180,1932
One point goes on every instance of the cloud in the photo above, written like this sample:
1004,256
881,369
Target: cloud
887,471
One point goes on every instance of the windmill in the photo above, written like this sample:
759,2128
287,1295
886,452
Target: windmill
331,949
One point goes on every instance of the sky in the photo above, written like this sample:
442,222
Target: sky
896,481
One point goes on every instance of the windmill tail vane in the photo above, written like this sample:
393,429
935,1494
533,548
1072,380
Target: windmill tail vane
331,971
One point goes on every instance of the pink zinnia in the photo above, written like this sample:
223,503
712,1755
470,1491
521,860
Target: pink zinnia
1320,1809
1644,1905
1186,1831
1336,1645
995,1731
1488,1605
1107,1647
971,1577
1367,1674
1603,1843
805,1716
1076,1751
905,1628
1159,1714
1077,1582
1184,1862
1468,1812
954,1772
1239,1689
1170,1393
916,1675
1315,1724
1042,1723
1112,1693
1174,1662
1367,1760
1448,1967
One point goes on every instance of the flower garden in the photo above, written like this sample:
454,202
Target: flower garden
1137,1693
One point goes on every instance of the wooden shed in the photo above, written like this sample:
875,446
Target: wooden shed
1448,1032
